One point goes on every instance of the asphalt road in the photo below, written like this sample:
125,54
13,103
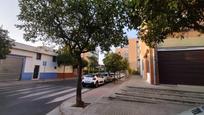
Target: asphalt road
35,98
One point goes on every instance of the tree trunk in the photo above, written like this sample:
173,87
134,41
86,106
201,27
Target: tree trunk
119,75
64,72
79,102
114,77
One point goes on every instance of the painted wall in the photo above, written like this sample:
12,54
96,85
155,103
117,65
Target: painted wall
48,69
146,62
65,69
132,54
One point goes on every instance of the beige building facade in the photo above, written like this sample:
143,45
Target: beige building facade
130,52
175,61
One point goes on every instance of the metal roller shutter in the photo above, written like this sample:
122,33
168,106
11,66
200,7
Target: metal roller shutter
181,67
11,68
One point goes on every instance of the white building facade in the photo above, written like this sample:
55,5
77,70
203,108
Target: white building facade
30,63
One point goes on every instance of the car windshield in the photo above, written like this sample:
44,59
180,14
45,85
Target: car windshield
105,75
88,76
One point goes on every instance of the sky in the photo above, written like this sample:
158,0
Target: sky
8,19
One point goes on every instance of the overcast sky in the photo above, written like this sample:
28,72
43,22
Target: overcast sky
8,18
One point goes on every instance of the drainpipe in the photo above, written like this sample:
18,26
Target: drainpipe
155,65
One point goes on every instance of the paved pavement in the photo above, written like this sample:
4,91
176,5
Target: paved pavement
34,97
134,96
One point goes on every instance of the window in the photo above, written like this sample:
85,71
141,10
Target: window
38,57
54,58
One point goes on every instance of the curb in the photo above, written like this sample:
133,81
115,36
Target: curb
23,82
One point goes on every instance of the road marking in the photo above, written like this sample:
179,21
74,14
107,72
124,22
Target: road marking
55,94
21,90
41,93
38,87
65,97
32,91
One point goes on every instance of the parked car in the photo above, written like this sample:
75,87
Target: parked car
107,77
122,75
114,76
194,111
117,75
92,80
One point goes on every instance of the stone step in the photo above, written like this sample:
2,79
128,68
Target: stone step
158,98
139,100
164,93
169,90
150,101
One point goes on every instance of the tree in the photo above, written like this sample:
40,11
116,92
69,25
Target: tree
82,25
5,43
157,19
113,62
124,64
92,63
84,63
65,58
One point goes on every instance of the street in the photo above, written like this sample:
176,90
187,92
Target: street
35,98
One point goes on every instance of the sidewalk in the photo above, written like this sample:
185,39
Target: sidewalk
103,104
24,82
94,96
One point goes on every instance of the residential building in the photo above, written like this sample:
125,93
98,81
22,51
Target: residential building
89,54
176,61
131,52
30,63
123,52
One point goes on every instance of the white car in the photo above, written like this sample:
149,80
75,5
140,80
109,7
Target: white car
107,77
122,75
92,80
194,111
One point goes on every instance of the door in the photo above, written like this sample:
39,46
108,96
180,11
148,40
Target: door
36,72
181,67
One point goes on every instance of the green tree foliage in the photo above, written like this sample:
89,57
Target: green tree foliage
124,64
82,25
64,57
92,63
113,62
157,19
5,43
84,63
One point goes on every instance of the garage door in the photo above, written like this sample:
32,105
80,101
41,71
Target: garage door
181,67
10,68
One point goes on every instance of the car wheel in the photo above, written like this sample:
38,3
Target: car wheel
96,85
83,85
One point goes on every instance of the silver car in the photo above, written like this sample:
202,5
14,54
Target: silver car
107,77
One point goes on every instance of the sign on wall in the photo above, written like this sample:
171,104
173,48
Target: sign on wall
44,63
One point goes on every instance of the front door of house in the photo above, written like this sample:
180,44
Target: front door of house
36,72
